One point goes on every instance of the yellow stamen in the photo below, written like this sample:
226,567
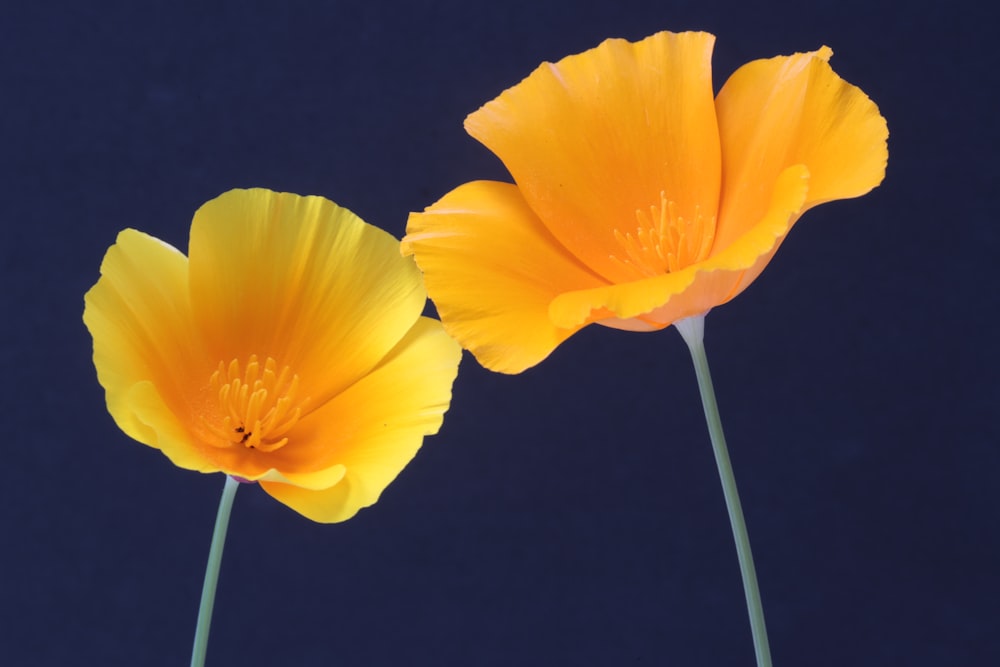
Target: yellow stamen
665,241
256,407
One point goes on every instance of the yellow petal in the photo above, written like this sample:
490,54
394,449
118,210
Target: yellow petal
492,269
794,110
303,281
318,480
599,138
168,429
660,301
372,429
145,345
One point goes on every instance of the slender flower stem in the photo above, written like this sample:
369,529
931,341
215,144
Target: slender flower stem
212,572
692,330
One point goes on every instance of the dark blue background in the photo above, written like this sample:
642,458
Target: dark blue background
571,515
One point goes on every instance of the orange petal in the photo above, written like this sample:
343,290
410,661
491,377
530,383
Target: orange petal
794,110
662,300
139,315
492,269
599,137
303,281
372,430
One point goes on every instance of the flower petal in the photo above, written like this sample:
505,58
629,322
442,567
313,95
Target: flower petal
318,480
600,137
140,318
662,300
168,433
794,110
492,269
373,428
303,281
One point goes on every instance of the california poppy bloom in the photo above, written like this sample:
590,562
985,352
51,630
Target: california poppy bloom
641,199
288,349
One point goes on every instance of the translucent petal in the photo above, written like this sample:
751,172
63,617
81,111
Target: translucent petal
146,350
303,281
794,110
492,269
600,136
372,429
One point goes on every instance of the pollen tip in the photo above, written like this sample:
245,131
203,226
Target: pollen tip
257,407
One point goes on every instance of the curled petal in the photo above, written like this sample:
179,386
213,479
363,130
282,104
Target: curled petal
317,480
372,429
492,269
600,136
794,110
662,300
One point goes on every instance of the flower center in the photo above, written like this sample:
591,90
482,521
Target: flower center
665,241
257,404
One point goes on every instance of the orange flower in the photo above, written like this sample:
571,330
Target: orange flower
288,349
640,199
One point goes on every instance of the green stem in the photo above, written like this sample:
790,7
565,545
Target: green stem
692,330
212,572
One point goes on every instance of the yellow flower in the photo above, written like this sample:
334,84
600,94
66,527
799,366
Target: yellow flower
640,199
288,349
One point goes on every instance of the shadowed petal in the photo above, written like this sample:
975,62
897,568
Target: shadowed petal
599,138
371,430
301,280
492,270
140,318
794,110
